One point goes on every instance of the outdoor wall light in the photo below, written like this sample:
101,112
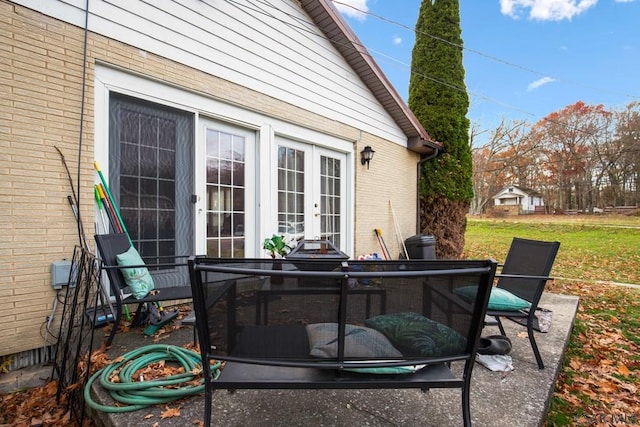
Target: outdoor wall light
366,155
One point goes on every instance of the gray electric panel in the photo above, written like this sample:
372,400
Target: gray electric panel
60,271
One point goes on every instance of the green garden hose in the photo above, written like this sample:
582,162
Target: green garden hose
141,394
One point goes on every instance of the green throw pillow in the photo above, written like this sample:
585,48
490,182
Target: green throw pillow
137,278
500,299
416,335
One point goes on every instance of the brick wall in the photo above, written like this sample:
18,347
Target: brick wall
505,210
390,182
40,99
41,78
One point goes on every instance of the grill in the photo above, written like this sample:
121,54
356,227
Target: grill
305,255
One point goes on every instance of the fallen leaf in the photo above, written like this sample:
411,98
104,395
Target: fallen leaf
170,412
623,370
575,364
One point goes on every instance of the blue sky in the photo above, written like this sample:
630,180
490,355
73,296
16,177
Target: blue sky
524,59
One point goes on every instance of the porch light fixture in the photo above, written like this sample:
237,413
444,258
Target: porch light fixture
366,155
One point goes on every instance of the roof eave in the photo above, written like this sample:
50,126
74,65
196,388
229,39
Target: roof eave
338,32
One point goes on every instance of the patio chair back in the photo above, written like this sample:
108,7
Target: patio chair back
528,258
109,246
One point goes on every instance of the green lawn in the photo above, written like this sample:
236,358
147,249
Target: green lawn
600,379
607,250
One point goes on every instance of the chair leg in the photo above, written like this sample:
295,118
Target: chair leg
534,347
116,324
208,401
502,332
532,340
136,317
466,404
195,336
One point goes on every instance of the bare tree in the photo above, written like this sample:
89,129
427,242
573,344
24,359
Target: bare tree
568,137
580,157
500,162
626,171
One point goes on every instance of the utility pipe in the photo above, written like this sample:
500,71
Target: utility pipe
436,153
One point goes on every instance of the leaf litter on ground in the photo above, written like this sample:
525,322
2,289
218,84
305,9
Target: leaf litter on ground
38,406
600,379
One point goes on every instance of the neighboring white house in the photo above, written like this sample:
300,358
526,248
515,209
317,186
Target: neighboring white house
512,195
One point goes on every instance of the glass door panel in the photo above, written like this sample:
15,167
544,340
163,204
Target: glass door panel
330,193
291,191
226,193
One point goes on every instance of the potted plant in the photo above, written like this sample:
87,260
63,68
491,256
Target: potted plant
277,246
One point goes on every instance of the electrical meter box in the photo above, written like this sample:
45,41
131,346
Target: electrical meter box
60,271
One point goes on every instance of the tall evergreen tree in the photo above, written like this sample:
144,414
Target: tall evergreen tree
438,97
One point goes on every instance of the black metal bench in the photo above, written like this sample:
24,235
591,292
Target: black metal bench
335,339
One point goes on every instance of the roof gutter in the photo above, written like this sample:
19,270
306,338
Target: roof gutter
423,146
437,150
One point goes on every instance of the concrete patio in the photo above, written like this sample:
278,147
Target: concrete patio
498,399
519,397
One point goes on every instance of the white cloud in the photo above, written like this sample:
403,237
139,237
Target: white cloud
353,8
546,10
397,40
624,1
540,82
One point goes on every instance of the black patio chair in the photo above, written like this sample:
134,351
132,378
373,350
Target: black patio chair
524,274
110,246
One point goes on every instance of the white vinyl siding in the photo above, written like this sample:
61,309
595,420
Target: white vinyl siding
271,47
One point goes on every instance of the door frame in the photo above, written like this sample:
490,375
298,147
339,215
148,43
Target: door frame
312,209
107,79
327,143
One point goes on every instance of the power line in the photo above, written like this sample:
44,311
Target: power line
459,46
479,53
367,51
306,26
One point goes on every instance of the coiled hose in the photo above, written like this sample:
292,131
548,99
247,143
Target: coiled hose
141,394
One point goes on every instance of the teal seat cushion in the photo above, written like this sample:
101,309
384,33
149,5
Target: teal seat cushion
499,300
137,278
416,335
408,369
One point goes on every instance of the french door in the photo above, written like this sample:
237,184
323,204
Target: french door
311,184
182,192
